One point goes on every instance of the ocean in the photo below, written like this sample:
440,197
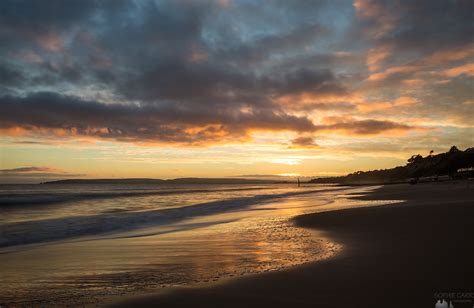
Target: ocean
63,244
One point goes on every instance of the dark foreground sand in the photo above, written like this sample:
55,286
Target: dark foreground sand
394,256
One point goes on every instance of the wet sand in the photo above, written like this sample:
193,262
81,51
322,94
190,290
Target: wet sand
395,255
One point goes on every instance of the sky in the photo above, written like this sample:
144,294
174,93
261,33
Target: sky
168,89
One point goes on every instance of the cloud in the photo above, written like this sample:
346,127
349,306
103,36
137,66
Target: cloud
374,106
66,116
50,113
411,40
25,22
364,127
444,102
9,75
379,16
406,70
26,170
465,69
414,82
435,63
268,46
34,174
303,142
376,56
421,26
405,101
51,41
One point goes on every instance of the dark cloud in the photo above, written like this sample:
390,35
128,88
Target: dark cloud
36,14
169,123
215,87
29,142
23,22
366,127
26,170
250,53
320,82
33,174
430,24
49,112
413,29
319,61
303,141
168,52
10,76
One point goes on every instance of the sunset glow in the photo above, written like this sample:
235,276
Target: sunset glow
168,89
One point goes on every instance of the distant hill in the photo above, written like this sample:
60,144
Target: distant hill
160,182
417,167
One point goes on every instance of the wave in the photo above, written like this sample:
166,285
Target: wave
51,198
47,230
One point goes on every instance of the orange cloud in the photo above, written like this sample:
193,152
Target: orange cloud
375,56
392,71
451,54
405,101
465,69
377,106
310,98
444,81
51,41
369,107
13,131
375,11
414,82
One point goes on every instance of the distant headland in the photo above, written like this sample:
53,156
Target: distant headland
161,181
450,165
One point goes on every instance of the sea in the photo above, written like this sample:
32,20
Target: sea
76,244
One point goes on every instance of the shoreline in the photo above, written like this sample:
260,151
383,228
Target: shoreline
233,232
393,255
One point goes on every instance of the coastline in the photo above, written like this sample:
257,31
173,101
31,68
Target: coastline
394,255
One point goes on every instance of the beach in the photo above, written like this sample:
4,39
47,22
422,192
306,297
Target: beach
394,255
